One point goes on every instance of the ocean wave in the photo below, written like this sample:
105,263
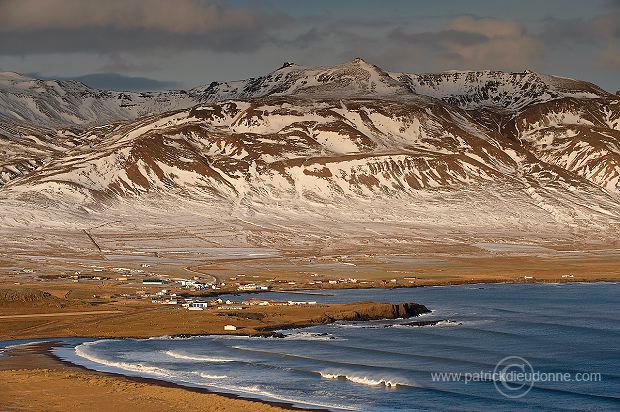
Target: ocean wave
432,311
364,380
207,376
200,358
359,326
255,390
82,352
446,323
21,345
311,336
439,323
173,337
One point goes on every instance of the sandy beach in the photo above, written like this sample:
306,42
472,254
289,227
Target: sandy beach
34,379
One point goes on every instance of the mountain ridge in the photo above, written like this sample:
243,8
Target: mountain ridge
546,149
290,79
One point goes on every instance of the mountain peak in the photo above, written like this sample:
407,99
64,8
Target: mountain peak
358,61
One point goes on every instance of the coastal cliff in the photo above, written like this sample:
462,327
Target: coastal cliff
354,312
364,311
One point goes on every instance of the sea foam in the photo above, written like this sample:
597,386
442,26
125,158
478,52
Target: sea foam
82,351
199,358
364,380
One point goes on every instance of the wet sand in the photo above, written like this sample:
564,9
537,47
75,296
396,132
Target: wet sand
33,379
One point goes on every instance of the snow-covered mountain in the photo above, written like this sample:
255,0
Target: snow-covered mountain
514,150
357,78
33,112
25,101
53,103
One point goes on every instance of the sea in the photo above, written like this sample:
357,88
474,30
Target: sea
534,346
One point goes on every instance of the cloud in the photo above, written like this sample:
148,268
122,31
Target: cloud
116,81
179,16
600,34
610,58
474,43
613,4
585,31
490,28
118,63
33,26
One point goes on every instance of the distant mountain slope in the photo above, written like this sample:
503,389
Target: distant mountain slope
357,78
514,150
31,112
55,103
319,150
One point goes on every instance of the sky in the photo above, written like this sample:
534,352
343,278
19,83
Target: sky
162,44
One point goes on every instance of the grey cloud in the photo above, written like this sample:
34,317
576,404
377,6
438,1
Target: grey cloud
565,31
601,34
309,38
115,26
113,41
116,81
439,39
118,63
468,42
462,42
179,16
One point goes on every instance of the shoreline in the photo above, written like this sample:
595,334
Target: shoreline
168,384
366,311
259,321
45,349
455,282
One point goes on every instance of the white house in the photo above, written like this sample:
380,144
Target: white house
199,304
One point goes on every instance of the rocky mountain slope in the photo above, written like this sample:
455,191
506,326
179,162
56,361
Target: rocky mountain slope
50,104
33,113
518,149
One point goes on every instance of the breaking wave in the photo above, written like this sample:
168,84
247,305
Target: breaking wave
311,336
82,351
364,380
199,358
207,376
255,390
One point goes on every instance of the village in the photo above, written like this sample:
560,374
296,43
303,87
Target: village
196,293
235,286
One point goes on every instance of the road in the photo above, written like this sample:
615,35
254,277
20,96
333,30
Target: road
202,274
